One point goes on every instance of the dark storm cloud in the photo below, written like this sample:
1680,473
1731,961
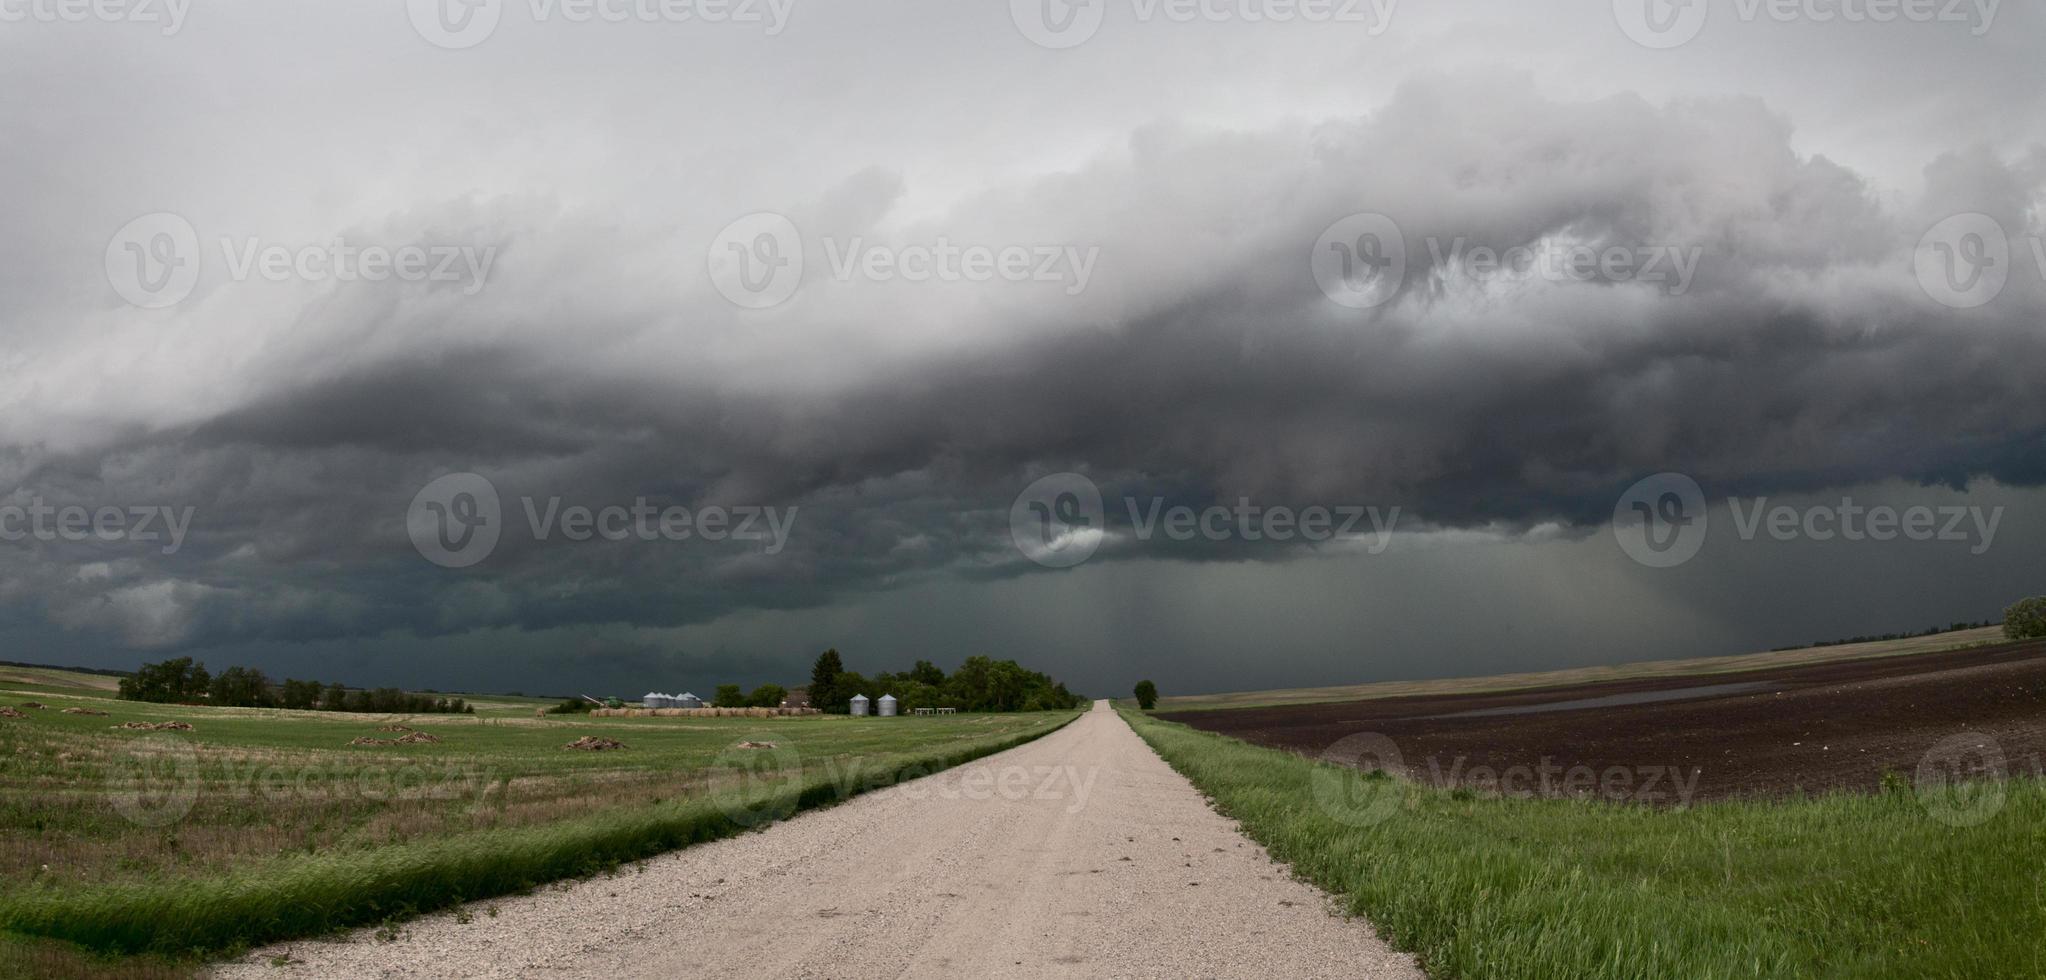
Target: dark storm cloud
1202,365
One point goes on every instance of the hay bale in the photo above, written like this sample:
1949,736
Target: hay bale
416,737
595,743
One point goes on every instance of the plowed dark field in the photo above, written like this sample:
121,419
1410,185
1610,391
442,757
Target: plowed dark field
1771,732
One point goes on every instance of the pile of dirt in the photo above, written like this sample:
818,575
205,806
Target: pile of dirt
38,705
84,711
11,713
595,743
156,726
371,740
756,745
394,728
411,737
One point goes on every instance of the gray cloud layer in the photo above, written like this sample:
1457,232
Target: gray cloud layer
1202,363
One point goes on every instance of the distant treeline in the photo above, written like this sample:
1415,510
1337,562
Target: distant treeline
182,681
101,671
980,684
1879,638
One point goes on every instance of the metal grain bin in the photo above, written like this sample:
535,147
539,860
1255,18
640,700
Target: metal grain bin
859,705
652,700
887,705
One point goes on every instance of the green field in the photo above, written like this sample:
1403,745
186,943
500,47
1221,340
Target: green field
261,824
1839,886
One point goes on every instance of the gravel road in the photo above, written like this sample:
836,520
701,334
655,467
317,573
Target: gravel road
1079,854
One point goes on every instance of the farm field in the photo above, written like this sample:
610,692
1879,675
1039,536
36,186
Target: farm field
1773,732
258,824
1906,882
1693,667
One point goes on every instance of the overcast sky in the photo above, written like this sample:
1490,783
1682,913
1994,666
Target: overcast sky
892,289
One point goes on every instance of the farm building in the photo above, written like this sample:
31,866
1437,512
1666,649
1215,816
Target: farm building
687,700
652,700
887,705
859,705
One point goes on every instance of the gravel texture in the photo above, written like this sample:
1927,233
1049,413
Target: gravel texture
1079,854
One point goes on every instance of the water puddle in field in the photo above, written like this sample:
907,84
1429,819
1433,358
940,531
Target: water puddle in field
1616,700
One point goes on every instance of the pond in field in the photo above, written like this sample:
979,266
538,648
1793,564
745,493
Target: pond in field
1616,700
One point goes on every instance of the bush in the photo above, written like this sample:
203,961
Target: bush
1147,695
767,696
2026,619
572,706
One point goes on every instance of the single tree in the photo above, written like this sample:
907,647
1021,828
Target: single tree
824,676
2026,619
1147,695
767,696
730,696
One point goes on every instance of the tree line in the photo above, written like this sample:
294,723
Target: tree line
183,681
979,684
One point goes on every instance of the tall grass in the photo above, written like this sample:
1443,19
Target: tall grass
1837,886
286,897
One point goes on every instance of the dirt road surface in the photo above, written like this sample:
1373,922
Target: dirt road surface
1078,855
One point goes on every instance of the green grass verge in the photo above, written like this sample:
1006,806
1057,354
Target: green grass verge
1837,886
287,897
